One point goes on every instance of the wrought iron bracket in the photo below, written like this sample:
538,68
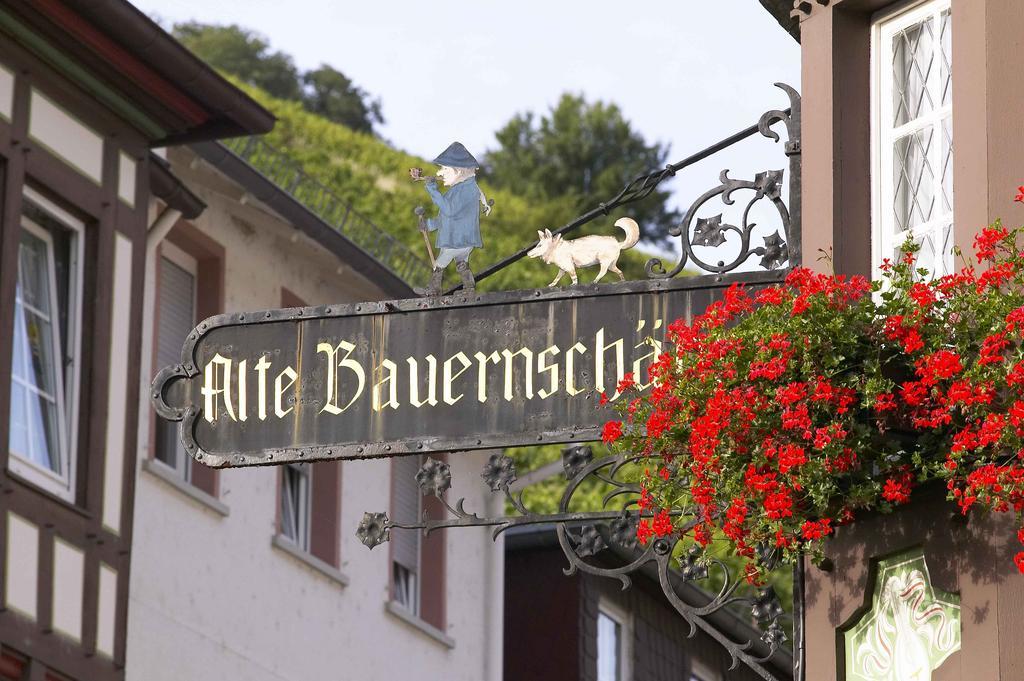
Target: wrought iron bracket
604,543
779,249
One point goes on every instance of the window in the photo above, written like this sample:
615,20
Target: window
310,495
405,545
190,288
295,495
45,362
913,135
176,317
613,643
417,562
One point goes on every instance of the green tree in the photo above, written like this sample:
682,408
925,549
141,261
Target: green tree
331,94
243,53
324,91
582,153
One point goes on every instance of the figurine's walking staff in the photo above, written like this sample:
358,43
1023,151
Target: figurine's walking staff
420,210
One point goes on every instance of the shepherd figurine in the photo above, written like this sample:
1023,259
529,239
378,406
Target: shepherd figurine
458,220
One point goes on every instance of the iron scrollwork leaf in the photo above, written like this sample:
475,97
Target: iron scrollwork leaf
623,530
575,459
691,567
434,477
591,542
373,529
766,606
776,252
709,232
499,472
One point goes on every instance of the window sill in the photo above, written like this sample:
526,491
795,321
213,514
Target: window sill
14,477
159,470
414,621
284,544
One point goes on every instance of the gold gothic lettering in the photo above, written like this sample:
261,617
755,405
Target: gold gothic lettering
210,389
539,374
261,387
552,369
481,378
527,372
620,367
242,395
333,375
414,382
638,374
280,389
449,376
391,379
570,369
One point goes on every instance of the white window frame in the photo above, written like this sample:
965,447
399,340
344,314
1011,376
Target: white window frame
67,398
183,462
303,517
884,239
412,583
622,618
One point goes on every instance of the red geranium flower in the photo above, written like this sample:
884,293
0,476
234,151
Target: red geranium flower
612,432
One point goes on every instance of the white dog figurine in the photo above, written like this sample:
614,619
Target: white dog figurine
585,251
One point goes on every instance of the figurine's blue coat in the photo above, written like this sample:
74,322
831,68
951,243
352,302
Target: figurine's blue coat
458,220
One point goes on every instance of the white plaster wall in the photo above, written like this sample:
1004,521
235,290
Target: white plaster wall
210,598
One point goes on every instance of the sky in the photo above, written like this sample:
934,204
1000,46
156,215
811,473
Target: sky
686,73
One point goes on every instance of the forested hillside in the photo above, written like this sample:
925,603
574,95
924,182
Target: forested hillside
374,177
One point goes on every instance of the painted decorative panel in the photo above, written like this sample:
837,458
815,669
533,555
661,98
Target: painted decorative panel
68,580
22,568
66,136
910,628
106,610
6,92
117,397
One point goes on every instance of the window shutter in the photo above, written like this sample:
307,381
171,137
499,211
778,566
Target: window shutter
326,511
405,508
432,565
175,319
177,311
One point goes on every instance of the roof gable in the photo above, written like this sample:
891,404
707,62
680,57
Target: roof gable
782,10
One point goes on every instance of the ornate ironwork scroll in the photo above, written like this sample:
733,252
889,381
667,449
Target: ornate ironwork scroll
778,248
604,543
712,232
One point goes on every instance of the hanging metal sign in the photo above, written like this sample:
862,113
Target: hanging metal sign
412,376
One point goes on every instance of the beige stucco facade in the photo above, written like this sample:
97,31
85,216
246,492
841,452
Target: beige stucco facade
212,596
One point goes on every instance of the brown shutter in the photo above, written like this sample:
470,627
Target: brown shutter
209,301
325,511
175,318
432,565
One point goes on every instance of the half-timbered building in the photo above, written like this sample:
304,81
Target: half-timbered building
86,90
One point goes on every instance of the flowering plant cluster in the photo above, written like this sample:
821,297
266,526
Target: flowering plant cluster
780,413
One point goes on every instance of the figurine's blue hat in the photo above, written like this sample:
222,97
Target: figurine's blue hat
456,156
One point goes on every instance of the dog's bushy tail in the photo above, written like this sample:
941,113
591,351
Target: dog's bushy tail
632,230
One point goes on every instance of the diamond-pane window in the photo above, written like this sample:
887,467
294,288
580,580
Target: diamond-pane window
913,134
